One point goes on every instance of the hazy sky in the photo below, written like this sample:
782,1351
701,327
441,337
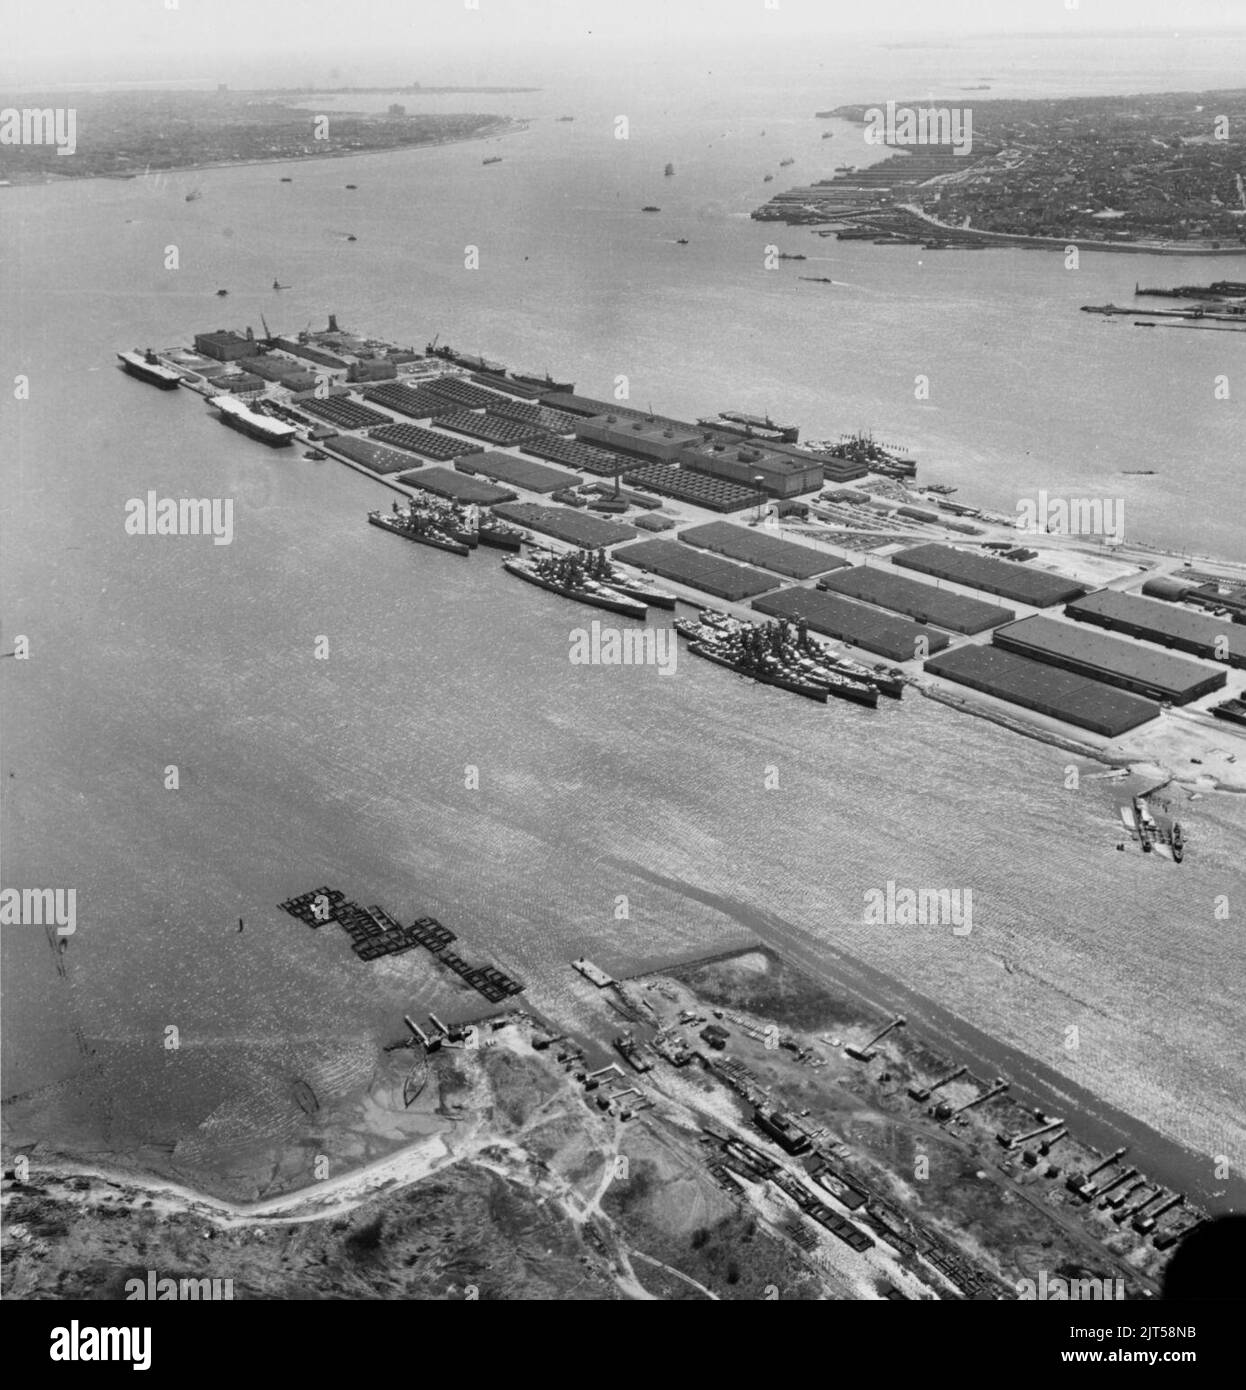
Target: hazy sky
82,40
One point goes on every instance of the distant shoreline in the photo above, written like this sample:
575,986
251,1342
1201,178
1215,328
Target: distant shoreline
506,125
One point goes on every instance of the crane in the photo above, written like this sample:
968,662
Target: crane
1011,1141
1120,1217
866,1054
924,1092
1081,1183
1108,1201
945,1112
1145,1224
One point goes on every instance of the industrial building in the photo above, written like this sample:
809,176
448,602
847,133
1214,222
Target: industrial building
567,524
1196,633
524,473
638,436
458,487
1070,646
280,369
867,628
766,470
923,602
758,547
700,489
1063,695
375,457
1006,578
696,569
224,345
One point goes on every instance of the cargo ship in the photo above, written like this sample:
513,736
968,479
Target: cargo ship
147,367
789,434
565,575
465,359
412,526
275,433
547,382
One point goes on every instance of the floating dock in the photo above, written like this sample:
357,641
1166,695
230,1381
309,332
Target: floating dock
592,973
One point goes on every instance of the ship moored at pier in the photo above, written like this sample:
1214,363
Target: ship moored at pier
146,366
275,433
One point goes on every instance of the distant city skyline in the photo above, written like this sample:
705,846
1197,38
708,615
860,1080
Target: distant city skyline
232,40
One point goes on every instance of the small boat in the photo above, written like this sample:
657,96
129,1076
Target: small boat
784,163
649,207
352,185
669,170
564,118
305,1098
220,294
792,256
352,238
316,454
493,159
277,285
285,178
768,179
1177,841
681,241
194,195
816,279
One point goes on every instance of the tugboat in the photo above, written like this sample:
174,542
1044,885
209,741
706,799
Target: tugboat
568,575
413,525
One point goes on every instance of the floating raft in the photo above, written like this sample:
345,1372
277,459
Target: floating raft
375,933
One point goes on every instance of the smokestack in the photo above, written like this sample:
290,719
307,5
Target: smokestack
333,328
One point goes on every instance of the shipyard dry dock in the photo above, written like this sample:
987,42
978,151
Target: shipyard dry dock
1007,578
867,628
758,547
922,602
1155,675
1074,699
1196,633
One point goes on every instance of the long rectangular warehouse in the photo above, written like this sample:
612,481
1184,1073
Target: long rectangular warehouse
374,456
758,547
524,473
697,569
459,487
1072,647
867,628
566,524
1034,685
1007,578
1197,633
925,603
